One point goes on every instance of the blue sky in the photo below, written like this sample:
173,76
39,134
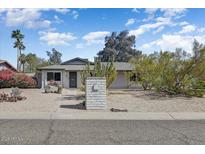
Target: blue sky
81,32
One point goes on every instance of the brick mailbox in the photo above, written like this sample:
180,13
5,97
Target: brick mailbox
96,93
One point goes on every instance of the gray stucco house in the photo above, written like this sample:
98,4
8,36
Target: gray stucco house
68,73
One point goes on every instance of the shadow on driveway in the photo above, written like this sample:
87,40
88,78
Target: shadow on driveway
73,97
79,106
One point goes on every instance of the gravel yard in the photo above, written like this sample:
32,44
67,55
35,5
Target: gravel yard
71,101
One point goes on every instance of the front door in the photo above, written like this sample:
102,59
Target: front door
73,79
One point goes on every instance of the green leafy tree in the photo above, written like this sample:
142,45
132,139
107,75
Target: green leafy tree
119,47
32,61
106,70
54,56
18,44
146,70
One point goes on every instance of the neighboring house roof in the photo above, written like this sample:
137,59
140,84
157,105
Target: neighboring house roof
8,65
122,66
72,66
77,61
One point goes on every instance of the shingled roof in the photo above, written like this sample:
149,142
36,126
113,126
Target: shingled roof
119,66
77,61
8,65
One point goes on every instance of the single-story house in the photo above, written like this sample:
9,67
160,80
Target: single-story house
4,65
68,73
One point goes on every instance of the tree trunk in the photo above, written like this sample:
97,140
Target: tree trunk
18,59
23,67
20,64
30,68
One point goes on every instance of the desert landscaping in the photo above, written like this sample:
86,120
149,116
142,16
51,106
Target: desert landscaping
71,100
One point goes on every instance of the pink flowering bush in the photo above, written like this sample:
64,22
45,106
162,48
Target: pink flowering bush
24,81
10,79
6,75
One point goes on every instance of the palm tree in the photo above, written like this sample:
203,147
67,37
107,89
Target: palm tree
23,60
16,34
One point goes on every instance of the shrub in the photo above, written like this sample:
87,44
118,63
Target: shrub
60,89
10,79
24,81
6,75
53,87
100,70
6,78
52,83
16,92
175,72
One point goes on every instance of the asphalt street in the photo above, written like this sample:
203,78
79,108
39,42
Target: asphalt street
102,132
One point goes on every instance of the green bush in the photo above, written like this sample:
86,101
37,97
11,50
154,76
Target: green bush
173,72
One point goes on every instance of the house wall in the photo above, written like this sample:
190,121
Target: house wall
44,77
78,79
64,78
120,81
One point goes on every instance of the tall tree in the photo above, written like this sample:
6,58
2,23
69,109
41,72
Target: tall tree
18,44
119,47
23,60
34,62
54,56
31,60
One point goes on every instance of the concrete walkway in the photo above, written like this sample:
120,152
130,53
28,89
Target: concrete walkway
109,116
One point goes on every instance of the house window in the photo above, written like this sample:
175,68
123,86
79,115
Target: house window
56,76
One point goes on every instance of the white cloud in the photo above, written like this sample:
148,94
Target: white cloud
130,22
158,30
135,10
151,14
201,30
30,18
171,12
55,38
80,46
187,29
171,42
166,12
161,21
75,14
95,37
57,19
151,10
168,18
63,11
38,24
183,23
2,11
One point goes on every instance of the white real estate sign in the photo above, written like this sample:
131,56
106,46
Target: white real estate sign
96,93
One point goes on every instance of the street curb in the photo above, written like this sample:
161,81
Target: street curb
108,116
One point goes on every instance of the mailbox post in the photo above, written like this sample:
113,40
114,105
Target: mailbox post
96,93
